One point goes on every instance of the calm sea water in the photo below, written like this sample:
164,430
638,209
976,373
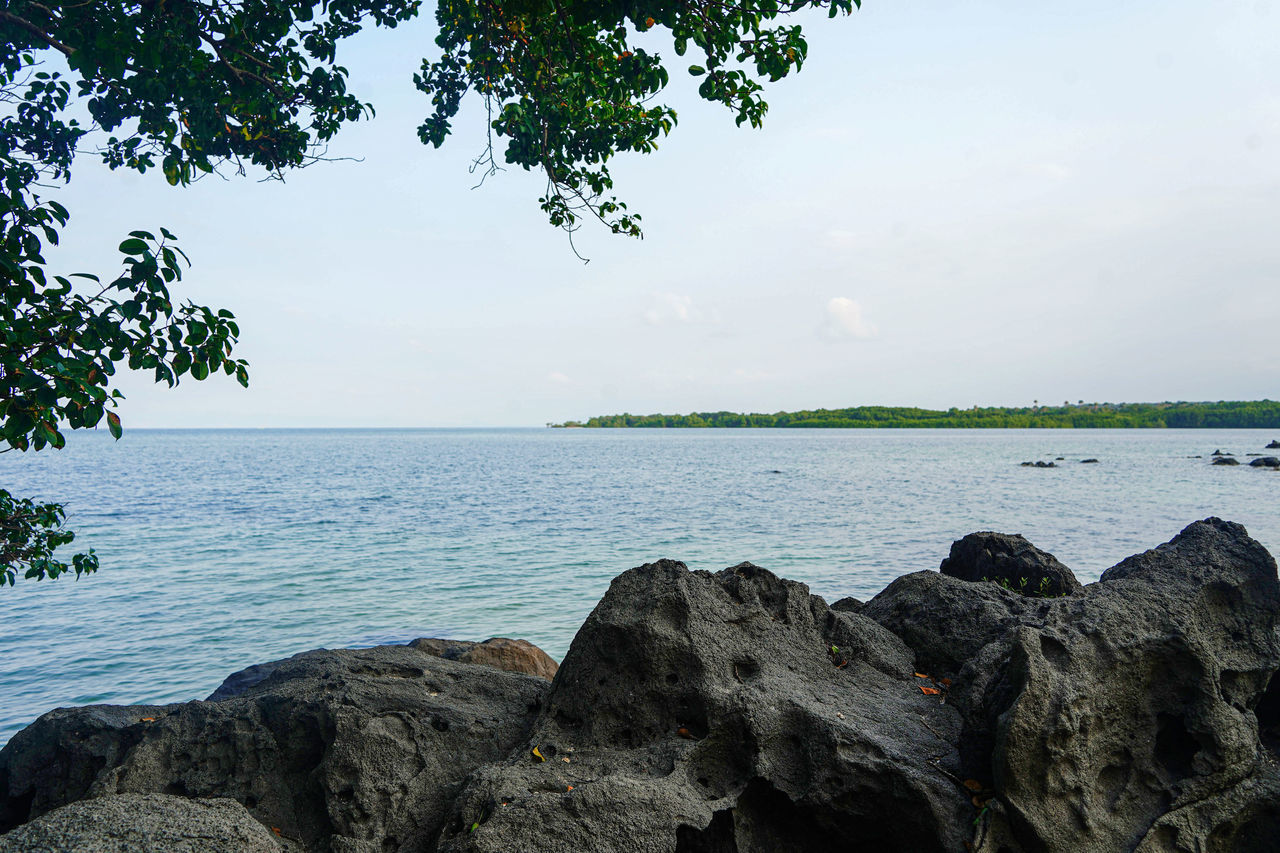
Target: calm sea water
226,548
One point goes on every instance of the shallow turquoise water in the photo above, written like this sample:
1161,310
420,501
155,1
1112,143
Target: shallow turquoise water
230,547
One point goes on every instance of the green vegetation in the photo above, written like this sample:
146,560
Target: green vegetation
1258,414
185,88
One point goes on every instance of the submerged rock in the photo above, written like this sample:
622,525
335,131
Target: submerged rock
709,713
1274,445
1266,462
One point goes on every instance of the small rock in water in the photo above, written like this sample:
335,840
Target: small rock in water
1274,445
1226,460
1090,460
1266,462
1039,463
1217,452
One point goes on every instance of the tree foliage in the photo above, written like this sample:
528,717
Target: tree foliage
187,88
1256,414
567,84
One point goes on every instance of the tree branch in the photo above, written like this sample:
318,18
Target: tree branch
23,24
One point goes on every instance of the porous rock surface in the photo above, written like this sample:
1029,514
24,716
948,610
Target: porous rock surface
345,750
498,652
1011,561
737,713
732,711
133,823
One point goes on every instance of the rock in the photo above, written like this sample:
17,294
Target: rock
1274,445
345,750
725,712
1010,561
1217,452
848,604
1039,463
1088,461
1226,460
1124,717
129,823
1266,462
709,713
498,652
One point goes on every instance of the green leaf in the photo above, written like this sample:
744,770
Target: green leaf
133,246
113,424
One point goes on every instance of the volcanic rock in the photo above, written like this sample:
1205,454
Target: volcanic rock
498,652
345,750
709,713
733,711
1125,717
1010,561
129,823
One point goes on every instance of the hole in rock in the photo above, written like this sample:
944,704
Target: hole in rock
766,819
1175,746
1054,652
1261,834
440,724
672,678
746,668
250,801
716,838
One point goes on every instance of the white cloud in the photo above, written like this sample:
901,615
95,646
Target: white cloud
839,238
845,320
559,378
672,307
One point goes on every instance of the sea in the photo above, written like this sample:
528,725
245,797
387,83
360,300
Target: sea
224,548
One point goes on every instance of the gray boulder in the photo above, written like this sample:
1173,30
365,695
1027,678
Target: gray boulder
347,750
709,713
1266,462
1124,717
725,712
1010,561
144,823
1225,460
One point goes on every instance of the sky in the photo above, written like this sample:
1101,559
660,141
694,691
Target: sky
952,204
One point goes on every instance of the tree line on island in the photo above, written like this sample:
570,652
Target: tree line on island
1249,414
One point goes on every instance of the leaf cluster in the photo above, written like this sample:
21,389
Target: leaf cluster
29,532
567,85
182,86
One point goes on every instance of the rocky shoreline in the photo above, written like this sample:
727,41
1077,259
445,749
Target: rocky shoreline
997,705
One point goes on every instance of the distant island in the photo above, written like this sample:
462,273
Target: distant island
1249,414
